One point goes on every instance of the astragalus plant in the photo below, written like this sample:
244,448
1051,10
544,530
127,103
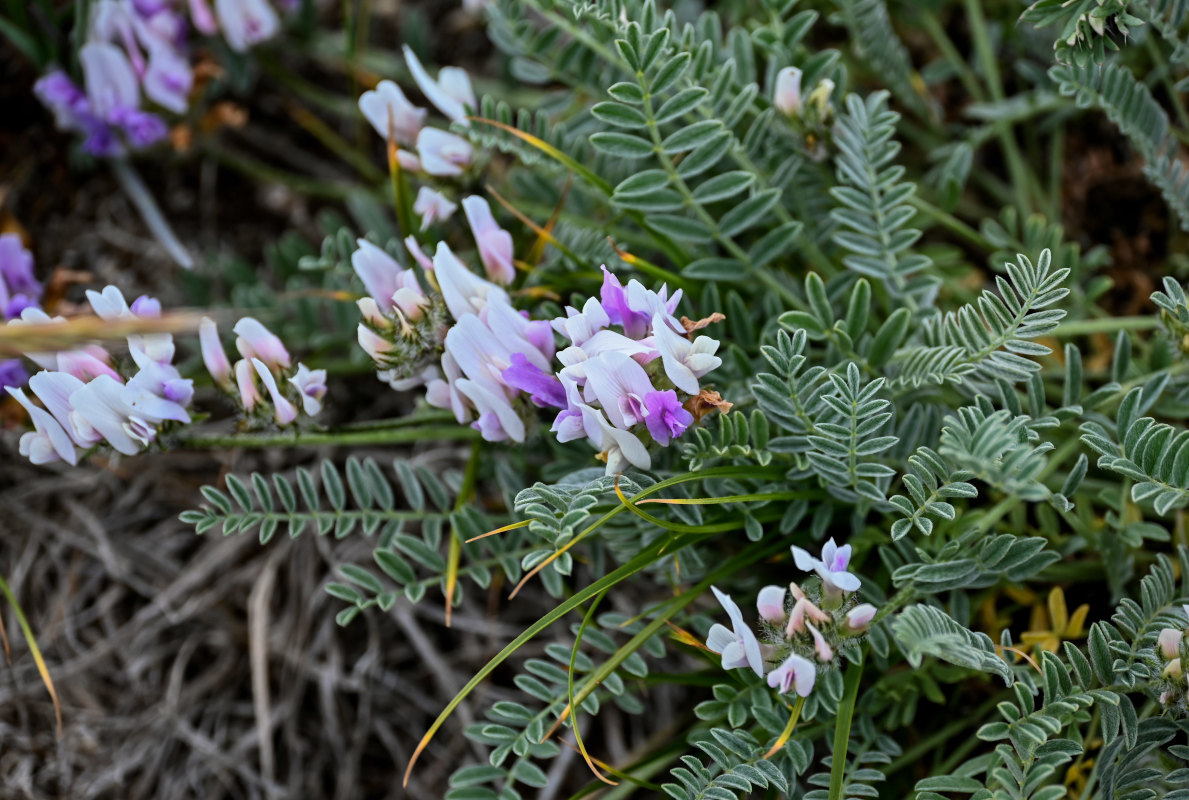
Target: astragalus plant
863,413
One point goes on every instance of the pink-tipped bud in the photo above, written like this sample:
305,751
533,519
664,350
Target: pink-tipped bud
770,604
801,609
820,646
213,354
787,95
256,341
1173,670
410,302
859,617
369,309
1170,642
374,345
245,378
795,590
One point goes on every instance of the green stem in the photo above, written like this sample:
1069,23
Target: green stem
1084,327
846,711
986,56
347,437
949,221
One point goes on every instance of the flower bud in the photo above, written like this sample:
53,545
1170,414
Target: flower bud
1173,670
787,95
771,604
859,617
1170,642
213,354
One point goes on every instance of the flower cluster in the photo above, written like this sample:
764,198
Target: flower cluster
1173,646
626,357
264,363
19,289
402,124
615,380
141,47
89,402
90,399
801,628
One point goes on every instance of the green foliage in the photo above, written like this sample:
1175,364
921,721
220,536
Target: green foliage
874,202
991,339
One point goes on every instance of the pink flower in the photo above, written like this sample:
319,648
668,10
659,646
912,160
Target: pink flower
213,354
432,206
451,93
796,672
391,114
442,153
495,243
48,441
737,645
246,22
256,341
283,411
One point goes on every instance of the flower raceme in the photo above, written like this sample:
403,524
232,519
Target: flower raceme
139,51
801,629
19,289
615,381
88,399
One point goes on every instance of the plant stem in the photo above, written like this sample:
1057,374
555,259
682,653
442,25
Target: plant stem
332,437
846,711
986,56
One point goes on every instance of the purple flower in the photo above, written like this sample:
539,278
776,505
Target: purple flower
666,419
620,386
246,22
63,98
168,78
16,268
737,645
202,17
391,114
141,128
158,391
451,93
111,83
831,567
543,388
633,306
495,243
443,154
13,373
796,672
311,387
